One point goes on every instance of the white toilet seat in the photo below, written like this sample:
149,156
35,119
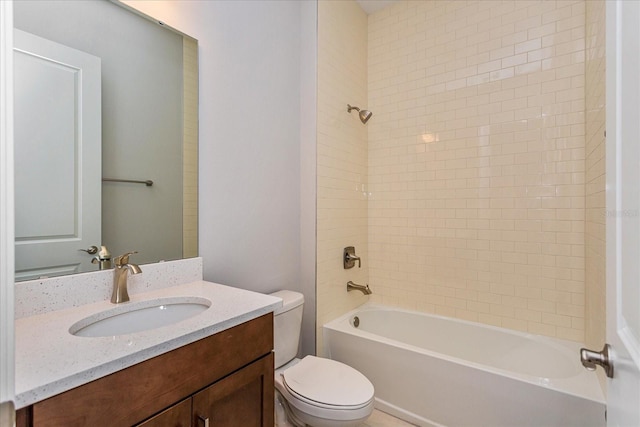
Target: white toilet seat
328,383
326,389
323,405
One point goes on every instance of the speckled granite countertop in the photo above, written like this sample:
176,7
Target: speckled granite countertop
49,360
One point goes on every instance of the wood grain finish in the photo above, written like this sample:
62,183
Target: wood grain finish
179,415
23,417
133,394
239,399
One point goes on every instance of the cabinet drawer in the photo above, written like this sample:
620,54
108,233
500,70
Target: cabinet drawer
133,394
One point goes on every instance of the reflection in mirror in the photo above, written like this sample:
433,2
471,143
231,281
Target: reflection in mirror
95,74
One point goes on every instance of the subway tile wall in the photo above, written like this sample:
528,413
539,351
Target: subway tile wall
476,162
595,234
342,158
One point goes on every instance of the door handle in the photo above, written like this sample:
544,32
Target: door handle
590,359
203,420
92,250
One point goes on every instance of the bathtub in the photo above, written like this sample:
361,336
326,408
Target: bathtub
436,371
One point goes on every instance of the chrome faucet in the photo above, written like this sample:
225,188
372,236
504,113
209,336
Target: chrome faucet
355,287
121,268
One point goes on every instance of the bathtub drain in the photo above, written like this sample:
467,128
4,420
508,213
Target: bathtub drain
356,321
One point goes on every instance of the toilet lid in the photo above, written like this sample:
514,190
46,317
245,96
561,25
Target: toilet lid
328,382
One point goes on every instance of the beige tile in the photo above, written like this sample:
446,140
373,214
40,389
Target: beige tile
530,173
342,156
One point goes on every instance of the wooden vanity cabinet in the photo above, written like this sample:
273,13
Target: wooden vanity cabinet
227,377
236,400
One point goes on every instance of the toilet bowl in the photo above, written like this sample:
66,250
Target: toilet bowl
315,391
325,393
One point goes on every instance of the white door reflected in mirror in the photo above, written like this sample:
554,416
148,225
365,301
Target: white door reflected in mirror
58,189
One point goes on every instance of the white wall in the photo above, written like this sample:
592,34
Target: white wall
308,159
250,150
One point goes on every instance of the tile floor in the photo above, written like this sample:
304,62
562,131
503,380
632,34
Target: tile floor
381,419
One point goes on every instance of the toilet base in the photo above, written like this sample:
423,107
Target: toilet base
287,416
311,421
283,415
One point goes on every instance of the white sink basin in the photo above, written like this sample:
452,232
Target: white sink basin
128,318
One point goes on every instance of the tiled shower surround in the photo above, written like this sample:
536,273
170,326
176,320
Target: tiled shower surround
477,161
342,158
476,165
595,235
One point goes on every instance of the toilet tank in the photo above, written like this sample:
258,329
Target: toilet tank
287,322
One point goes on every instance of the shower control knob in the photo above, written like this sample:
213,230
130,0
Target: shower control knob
349,258
591,359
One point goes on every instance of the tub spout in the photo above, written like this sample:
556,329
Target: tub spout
355,287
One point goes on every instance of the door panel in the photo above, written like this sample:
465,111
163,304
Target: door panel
623,211
58,189
7,392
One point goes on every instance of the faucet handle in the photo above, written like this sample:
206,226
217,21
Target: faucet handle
123,259
349,257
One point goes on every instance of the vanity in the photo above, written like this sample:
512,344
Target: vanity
213,368
134,114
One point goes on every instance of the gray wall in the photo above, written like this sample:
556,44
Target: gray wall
142,117
257,141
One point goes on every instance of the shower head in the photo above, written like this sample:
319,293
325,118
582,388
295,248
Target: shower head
365,115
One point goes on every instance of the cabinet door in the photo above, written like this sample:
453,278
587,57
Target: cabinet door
244,398
178,415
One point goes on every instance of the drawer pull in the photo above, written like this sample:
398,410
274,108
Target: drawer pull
205,420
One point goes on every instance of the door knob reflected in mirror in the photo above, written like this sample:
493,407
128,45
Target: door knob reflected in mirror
92,250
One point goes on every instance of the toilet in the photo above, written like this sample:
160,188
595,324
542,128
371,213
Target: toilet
314,391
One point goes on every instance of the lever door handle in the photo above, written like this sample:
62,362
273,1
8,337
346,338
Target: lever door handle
92,250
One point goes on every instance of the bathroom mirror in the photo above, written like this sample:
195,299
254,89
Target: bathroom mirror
100,74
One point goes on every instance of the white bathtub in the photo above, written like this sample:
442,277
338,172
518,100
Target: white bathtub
437,371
